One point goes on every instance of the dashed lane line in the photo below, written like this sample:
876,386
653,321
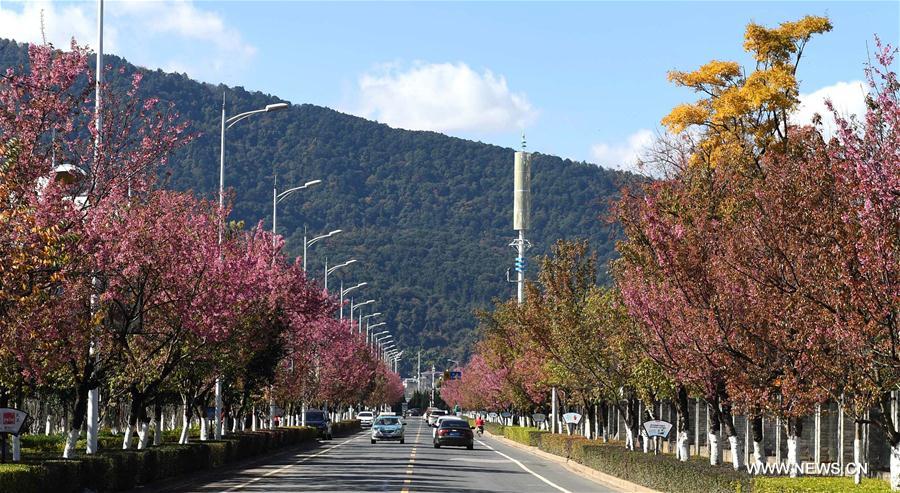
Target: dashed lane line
551,483
287,466
412,462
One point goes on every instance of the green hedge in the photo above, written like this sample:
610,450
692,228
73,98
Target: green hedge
524,435
560,445
810,484
660,472
345,427
494,428
116,470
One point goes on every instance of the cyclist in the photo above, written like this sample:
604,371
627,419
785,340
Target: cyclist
479,425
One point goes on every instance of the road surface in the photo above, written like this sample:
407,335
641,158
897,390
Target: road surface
353,464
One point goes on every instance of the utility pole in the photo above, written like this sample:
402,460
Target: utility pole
419,372
432,385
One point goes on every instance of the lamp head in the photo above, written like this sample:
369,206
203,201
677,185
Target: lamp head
276,106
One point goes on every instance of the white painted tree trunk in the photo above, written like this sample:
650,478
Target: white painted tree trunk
144,435
16,448
629,439
683,442
234,425
254,425
737,454
203,429
857,457
715,453
758,453
185,428
792,461
71,440
48,426
895,467
645,441
126,440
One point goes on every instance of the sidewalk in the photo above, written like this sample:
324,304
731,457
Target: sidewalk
575,467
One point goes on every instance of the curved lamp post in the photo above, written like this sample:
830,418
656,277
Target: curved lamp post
345,291
329,270
278,197
307,244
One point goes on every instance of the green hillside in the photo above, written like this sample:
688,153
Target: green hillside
429,216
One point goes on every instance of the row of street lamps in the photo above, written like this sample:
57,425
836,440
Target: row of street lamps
382,342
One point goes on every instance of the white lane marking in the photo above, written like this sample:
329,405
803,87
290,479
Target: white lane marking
551,483
490,461
304,459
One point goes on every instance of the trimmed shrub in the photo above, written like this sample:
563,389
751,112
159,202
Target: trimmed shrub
524,435
345,427
16,478
561,445
494,428
809,484
660,472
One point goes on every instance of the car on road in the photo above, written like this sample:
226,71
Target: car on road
456,433
388,428
438,421
413,412
365,418
434,415
320,421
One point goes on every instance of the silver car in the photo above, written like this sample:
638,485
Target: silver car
388,428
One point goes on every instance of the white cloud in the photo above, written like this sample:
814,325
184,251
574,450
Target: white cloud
625,155
443,97
848,98
162,33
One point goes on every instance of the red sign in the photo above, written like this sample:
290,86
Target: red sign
11,420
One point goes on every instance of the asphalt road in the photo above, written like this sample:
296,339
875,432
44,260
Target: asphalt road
353,464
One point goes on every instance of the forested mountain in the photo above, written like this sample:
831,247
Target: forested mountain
428,216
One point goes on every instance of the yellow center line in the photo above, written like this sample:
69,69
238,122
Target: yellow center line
412,460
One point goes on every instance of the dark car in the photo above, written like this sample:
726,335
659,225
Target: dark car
414,412
456,433
320,421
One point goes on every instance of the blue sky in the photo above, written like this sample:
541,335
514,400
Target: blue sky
585,80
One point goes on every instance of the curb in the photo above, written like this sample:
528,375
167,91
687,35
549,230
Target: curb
575,467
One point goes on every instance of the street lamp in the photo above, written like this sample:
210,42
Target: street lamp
307,244
329,270
456,363
357,305
278,197
368,327
366,319
226,123
345,291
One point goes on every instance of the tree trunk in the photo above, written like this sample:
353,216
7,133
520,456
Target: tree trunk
78,416
756,431
715,454
683,438
857,451
734,440
158,413
186,420
795,427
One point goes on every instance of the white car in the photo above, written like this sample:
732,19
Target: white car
365,418
437,423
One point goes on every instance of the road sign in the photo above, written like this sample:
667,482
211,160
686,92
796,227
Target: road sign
455,375
12,420
571,418
506,414
539,418
657,428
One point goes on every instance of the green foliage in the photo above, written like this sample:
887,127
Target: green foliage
494,428
119,470
659,472
561,445
524,435
420,210
810,484
345,427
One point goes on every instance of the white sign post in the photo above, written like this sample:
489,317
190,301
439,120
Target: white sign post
11,423
657,428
